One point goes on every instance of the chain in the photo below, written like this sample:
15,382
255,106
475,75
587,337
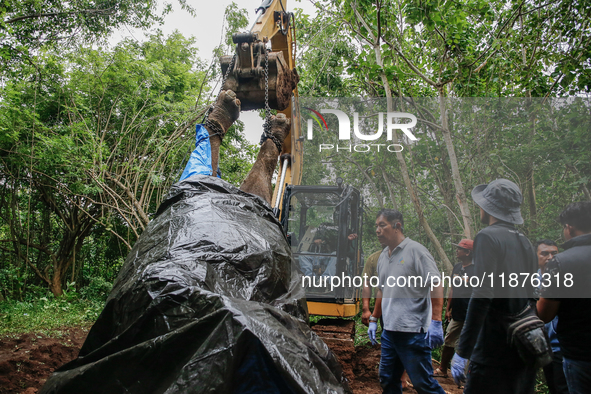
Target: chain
275,140
215,128
267,126
267,109
227,72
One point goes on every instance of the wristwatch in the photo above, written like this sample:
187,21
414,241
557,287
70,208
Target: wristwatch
373,319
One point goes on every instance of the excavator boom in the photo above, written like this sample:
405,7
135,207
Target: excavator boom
264,79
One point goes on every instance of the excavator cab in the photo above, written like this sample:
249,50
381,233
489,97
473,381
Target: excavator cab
323,227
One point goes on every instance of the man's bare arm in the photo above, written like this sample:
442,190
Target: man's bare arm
377,310
365,295
448,307
547,309
437,302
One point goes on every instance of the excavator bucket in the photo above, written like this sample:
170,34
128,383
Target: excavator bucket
247,76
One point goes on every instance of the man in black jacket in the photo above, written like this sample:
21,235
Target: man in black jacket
500,253
566,294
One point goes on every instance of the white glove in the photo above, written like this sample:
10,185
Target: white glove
373,327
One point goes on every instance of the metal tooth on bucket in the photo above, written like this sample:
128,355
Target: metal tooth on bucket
247,77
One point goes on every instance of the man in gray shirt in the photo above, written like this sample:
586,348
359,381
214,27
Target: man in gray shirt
410,310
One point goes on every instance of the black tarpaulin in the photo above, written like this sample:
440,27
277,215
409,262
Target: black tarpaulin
206,302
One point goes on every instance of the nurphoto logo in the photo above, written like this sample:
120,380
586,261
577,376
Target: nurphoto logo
393,121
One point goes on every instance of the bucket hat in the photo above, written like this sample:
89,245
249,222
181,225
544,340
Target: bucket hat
501,198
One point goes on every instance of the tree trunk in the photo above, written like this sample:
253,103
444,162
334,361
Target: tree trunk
529,174
390,191
371,182
531,198
455,171
444,186
56,284
447,265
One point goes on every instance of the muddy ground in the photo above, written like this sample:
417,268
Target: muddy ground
26,361
365,374
360,364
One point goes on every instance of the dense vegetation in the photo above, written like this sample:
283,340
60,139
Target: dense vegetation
91,136
447,52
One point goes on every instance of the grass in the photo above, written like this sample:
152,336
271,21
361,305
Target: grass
47,314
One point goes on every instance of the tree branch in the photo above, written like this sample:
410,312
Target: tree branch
108,11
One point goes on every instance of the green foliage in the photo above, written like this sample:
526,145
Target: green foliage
324,56
92,138
97,289
468,48
237,155
27,26
541,386
236,20
46,314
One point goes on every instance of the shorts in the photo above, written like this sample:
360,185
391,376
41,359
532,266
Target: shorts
452,334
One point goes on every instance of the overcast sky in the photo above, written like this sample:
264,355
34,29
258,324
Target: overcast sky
206,26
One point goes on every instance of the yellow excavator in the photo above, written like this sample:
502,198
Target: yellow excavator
323,223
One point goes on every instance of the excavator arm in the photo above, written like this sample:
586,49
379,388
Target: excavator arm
265,79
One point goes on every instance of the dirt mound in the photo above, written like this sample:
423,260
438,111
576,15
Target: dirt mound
338,335
361,364
365,363
27,360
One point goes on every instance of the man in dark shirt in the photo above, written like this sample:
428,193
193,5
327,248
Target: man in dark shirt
566,294
457,302
499,249
554,373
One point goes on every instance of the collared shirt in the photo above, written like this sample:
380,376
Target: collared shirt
405,280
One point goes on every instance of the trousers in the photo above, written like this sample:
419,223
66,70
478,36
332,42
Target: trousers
486,379
578,375
410,351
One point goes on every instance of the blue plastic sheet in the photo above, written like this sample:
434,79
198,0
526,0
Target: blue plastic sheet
200,161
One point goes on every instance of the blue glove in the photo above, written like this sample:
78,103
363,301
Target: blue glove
435,334
458,369
373,327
